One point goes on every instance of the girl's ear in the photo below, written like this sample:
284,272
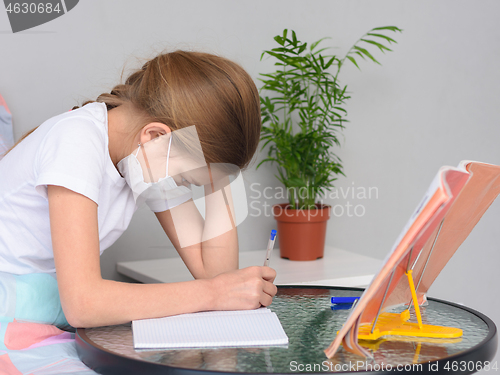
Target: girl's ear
152,131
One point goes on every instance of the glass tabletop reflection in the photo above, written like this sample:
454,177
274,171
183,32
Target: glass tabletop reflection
311,324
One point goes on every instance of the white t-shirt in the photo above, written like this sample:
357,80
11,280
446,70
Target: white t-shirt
69,150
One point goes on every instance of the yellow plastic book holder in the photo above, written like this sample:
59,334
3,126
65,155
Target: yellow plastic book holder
374,345
397,324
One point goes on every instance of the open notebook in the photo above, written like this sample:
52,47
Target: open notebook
260,327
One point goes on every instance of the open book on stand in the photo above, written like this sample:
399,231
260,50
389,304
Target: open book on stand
451,207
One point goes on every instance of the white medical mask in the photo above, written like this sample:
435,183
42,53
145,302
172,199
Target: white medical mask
161,193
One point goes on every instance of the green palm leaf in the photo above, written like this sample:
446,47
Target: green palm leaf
305,110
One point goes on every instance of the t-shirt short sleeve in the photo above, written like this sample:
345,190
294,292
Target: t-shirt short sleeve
72,155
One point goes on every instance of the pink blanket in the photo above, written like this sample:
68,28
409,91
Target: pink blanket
6,132
38,349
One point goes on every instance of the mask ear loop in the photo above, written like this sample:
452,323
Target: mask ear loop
138,149
141,146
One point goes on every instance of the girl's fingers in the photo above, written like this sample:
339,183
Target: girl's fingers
268,274
270,289
265,299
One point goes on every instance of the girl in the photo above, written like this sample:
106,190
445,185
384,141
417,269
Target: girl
67,192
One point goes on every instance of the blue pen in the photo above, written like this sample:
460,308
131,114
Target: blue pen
270,246
344,299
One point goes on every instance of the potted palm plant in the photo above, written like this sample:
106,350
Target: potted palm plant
302,105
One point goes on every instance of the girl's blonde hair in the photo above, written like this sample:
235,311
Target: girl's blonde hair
181,89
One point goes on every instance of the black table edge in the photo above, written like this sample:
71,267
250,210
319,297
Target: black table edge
106,362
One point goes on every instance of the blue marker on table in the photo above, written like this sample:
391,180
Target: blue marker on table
270,246
344,299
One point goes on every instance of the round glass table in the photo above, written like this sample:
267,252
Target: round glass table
311,323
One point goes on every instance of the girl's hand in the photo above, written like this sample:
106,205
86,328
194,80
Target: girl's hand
245,289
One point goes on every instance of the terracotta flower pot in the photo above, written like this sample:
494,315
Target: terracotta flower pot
301,232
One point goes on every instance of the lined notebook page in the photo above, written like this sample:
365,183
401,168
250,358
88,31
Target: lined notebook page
260,327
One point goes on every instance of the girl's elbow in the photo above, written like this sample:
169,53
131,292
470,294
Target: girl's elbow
74,321
79,314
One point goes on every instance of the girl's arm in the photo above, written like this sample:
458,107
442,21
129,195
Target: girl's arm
211,252
207,258
88,300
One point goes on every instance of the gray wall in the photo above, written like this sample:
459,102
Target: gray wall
434,101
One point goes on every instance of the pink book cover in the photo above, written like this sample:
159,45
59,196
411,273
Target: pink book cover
457,199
